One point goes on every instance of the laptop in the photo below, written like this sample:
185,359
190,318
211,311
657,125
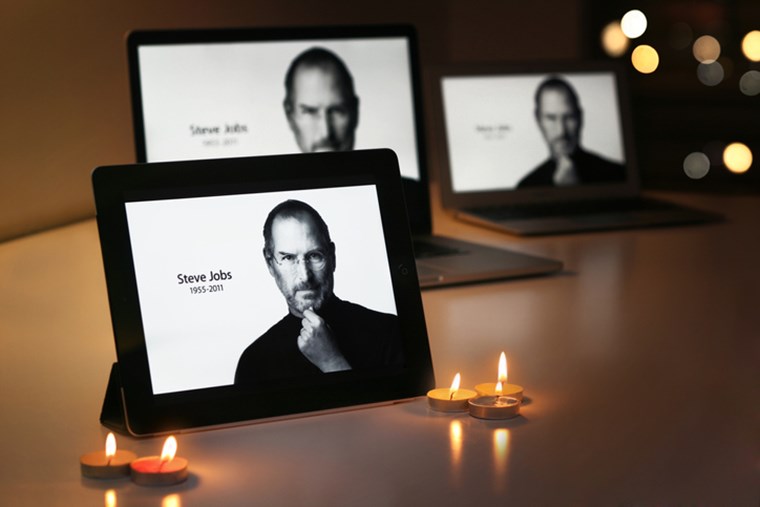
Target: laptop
543,149
200,94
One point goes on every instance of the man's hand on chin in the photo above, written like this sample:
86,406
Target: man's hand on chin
565,173
317,344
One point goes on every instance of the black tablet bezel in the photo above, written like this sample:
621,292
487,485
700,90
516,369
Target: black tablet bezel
148,414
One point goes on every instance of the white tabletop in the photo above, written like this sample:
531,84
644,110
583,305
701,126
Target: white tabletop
641,362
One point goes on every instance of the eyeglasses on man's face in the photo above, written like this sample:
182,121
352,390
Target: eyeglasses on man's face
315,260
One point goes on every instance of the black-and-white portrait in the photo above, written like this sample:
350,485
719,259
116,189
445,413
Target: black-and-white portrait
265,97
559,117
321,333
320,102
213,279
530,130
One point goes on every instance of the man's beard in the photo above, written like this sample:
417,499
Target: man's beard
315,300
563,147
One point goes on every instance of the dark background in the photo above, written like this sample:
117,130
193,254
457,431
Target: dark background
675,114
65,97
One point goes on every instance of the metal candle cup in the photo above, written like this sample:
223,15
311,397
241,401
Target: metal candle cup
439,399
493,389
494,407
510,390
163,470
450,399
108,464
153,471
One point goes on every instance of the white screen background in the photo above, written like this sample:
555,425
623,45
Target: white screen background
195,340
492,134
220,84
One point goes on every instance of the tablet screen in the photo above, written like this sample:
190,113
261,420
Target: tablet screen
224,301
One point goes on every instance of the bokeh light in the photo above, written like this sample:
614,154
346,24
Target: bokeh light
633,23
710,74
681,35
645,59
614,41
749,83
696,165
737,157
751,45
706,49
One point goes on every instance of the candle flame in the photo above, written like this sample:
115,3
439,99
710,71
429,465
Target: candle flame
454,386
170,449
110,446
503,368
498,390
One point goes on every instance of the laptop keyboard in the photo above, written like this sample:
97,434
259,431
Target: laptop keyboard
425,249
569,208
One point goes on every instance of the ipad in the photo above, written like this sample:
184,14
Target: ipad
246,289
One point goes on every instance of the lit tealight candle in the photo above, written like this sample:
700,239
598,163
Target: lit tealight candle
510,390
495,407
110,464
452,399
161,470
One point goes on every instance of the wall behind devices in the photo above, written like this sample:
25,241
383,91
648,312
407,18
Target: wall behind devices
64,87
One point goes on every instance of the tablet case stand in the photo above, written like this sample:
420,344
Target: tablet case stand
112,414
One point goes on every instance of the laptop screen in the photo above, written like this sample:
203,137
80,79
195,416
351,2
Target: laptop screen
530,132
199,94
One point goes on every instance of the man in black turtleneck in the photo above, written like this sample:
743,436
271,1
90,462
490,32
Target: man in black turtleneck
560,120
321,333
